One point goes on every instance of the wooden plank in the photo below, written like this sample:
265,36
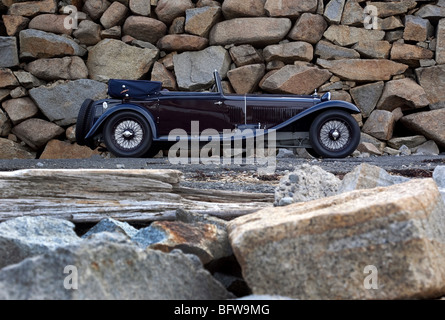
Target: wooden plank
89,195
223,195
85,183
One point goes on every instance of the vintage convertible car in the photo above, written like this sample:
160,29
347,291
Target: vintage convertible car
139,118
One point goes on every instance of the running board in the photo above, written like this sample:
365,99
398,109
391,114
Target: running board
296,139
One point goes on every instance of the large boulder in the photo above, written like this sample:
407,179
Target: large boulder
245,54
66,68
417,29
328,51
13,150
346,36
431,12
57,149
31,8
14,24
288,79
114,15
380,124
182,42
162,74
140,7
200,21
367,96
20,109
432,80
404,93
113,226
53,23
168,10
352,14
289,52
95,8
363,69
88,33
114,59
366,176
254,31
428,148
40,44
309,27
8,52
7,78
410,54
334,11
27,80
25,237
305,183
87,270
289,8
390,23
386,9
373,49
247,8
144,28
60,101
430,124
245,79
194,70
37,132
357,245
205,240
409,141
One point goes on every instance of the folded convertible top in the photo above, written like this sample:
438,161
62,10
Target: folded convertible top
135,89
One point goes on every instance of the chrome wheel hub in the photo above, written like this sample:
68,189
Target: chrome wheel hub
128,134
335,135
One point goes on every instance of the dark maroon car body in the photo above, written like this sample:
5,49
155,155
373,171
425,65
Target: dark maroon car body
138,125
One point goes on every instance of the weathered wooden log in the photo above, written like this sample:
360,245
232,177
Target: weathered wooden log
89,195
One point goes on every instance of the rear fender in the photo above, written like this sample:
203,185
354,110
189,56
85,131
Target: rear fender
123,107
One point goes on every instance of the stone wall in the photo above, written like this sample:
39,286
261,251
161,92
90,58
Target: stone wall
387,57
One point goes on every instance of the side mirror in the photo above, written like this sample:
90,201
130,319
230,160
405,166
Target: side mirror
326,97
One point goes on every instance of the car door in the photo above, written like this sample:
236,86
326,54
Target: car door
209,111
173,114
192,112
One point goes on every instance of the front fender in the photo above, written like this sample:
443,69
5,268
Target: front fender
332,104
123,107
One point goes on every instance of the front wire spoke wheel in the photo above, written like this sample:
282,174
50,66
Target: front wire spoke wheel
334,134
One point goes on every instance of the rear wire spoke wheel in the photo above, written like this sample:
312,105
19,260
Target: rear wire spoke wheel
84,121
128,135
334,134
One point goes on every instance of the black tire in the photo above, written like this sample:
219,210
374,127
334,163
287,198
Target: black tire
127,134
312,152
84,121
154,150
334,134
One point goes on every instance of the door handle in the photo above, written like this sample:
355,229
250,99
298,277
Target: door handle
219,103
